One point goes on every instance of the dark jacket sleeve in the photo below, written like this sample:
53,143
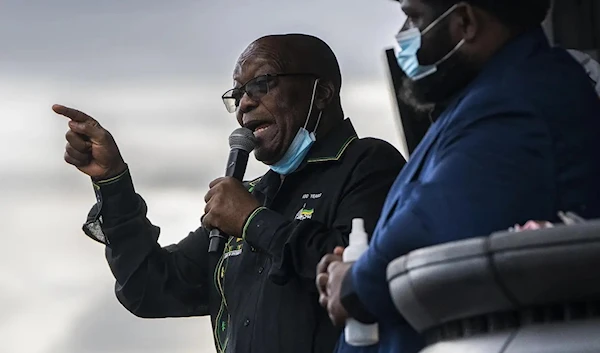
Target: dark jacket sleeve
491,172
296,247
151,281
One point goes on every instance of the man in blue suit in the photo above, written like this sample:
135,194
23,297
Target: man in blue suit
516,136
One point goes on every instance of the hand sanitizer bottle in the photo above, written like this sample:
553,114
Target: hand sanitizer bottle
357,333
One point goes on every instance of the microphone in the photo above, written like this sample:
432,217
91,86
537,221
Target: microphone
241,143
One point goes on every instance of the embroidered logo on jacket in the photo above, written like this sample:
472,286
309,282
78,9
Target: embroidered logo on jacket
304,213
234,248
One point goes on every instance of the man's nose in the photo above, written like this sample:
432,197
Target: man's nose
247,104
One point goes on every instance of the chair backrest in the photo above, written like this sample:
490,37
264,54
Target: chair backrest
502,273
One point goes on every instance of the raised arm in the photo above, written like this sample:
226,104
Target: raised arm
150,281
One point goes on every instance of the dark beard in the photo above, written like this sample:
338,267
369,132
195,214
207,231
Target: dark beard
452,76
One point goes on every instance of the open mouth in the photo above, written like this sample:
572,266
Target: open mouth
258,126
261,128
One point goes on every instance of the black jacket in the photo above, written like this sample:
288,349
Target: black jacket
261,292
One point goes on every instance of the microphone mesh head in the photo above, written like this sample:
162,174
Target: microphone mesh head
243,139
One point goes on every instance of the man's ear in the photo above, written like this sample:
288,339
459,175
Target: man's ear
324,95
466,23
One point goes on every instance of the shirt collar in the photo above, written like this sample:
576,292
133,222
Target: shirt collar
329,148
332,146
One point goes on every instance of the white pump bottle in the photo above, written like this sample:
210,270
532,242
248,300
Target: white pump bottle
357,333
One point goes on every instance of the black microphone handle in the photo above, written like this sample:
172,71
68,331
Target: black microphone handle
237,163
216,241
236,167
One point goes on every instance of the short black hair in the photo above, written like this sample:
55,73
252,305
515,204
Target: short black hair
298,52
309,53
518,13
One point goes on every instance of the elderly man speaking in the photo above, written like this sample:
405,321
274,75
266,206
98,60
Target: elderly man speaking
260,290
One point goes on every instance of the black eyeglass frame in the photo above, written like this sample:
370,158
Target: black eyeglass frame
229,96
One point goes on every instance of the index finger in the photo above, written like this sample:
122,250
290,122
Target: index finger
72,114
215,182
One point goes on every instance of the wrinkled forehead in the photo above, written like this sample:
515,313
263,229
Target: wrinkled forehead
249,69
258,60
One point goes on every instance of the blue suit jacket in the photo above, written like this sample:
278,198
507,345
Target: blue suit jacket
521,142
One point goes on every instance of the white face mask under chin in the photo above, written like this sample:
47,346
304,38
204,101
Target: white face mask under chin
300,145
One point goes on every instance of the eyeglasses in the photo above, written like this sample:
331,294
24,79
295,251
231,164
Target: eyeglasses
255,88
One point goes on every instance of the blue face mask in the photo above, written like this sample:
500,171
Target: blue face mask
410,43
300,145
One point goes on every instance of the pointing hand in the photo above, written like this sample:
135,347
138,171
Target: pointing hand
90,147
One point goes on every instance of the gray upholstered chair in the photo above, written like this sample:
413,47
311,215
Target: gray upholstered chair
534,291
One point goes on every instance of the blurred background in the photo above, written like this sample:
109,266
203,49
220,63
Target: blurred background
152,72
